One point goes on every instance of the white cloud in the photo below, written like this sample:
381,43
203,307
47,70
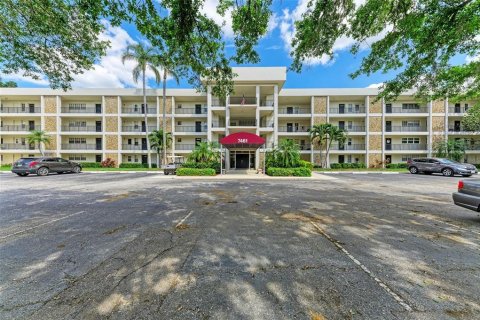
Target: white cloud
210,10
376,85
476,57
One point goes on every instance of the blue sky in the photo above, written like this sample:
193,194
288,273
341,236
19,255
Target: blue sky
273,49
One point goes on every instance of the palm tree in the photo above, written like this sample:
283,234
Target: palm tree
146,58
168,69
38,137
334,133
318,136
205,152
158,140
288,153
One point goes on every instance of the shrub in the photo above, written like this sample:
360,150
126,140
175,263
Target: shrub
136,165
477,165
358,165
289,172
203,165
90,164
108,163
195,172
396,166
306,164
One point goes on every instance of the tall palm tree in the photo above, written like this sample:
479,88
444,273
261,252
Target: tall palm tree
158,140
288,153
205,152
318,136
146,58
168,69
334,133
38,137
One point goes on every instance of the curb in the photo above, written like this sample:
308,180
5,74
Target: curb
353,172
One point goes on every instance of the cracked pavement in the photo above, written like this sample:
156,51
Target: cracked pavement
140,246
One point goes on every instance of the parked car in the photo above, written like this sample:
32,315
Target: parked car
171,168
439,165
468,195
44,165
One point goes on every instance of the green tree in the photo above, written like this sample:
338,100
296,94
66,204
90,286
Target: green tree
334,134
39,138
471,121
318,136
7,84
450,149
288,154
146,58
157,142
205,152
417,39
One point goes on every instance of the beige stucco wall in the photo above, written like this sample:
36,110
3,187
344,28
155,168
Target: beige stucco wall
438,106
375,106
111,104
375,142
111,124
375,160
375,124
112,156
50,104
319,104
111,142
438,124
50,124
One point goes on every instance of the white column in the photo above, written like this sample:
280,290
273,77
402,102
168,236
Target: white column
383,132
104,129
446,119
59,123
430,129
312,113
209,113
367,129
174,139
257,122
42,112
119,136
275,115
328,120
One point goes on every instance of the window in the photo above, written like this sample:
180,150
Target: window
77,106
410,106
129,158
350,125
77,140
129,141
466,107
179,106
410,140
136,159
23,106
77,157
349,158
135,108
77,124
411,123
23,141
179,123
179,140
406,157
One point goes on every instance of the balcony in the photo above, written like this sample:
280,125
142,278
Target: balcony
82,110
457,109
267,103
472,147
405,110
217,103
243,123
305,147
184,146
347,110
82,128
406,146
138,128
294,110
200,111
293,129
269,124
16,146
20,110
348,147
459,129
405,129
19,128
134,147
81,146
354,129
138,110
217,124
202,128
243,100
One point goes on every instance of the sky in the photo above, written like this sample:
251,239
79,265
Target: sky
274,49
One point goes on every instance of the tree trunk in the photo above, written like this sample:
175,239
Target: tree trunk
40,149
328,152
164,157
149,160
158,159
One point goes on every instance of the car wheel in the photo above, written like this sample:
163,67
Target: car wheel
76,169
166,173
413,170
447,172
42,171
22,174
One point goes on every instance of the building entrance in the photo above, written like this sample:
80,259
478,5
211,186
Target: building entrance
242,159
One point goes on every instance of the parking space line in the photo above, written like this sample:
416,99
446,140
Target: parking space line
395,296
41,224
183,220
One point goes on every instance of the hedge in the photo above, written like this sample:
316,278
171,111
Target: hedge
396,166
195,172
289,172
359,165
202,165
306,164
90,164
136,165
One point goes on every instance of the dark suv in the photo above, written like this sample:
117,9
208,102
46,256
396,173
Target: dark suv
44,165
439,165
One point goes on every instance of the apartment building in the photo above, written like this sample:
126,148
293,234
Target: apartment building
94,124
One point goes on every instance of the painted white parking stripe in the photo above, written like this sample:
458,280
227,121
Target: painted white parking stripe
41,224
395,296
184,219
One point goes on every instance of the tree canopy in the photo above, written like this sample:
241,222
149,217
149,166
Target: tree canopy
419,39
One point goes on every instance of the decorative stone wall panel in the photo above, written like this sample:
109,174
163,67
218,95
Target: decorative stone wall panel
50,124
112,156
319,120
438,106
375,106
375,124
50,104
438,124
111,104
53,143
319,105
111,124
375,142
375,160
111,142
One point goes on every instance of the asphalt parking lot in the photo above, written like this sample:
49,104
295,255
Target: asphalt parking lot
143,246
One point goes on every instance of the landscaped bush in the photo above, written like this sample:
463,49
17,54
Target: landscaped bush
195,172
358,165
396,166
306,164
108,163
289,172
136,165
90,164
203,165
477,165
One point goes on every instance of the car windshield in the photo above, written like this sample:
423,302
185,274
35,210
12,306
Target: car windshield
24,161
449,161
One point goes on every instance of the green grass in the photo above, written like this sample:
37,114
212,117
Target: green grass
364,169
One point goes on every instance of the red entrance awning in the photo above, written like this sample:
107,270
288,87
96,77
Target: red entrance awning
242,140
